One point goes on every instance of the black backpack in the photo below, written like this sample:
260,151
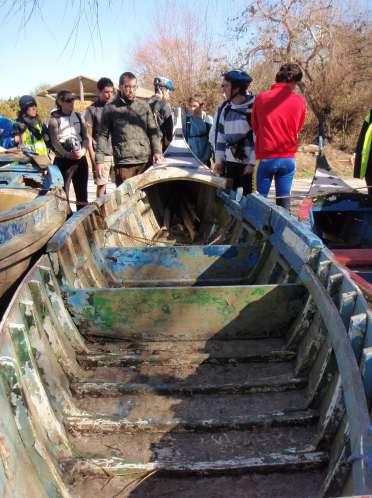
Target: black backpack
237,148
157,107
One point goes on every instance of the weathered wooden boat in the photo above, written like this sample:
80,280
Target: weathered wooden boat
343,220
134,363
30,213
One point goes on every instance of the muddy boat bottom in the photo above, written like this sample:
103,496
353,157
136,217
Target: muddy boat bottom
194,417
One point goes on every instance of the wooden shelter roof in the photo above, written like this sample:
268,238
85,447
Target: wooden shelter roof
89,86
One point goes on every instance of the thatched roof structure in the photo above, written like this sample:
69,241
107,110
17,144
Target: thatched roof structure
86,89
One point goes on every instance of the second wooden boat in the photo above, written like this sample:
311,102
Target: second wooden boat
343,220
32,208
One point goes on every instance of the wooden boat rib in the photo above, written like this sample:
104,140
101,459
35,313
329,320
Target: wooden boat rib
134,363
30,214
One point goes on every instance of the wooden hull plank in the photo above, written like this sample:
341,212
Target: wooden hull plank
108,425
273,462
181,264
109,389
184,313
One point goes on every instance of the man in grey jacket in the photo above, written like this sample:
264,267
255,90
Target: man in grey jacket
134,135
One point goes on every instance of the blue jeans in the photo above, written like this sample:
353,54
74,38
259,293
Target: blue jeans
282,169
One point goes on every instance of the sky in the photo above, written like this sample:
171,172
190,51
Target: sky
47,49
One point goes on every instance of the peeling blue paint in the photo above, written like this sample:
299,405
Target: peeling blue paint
19,176
227,252
22,225
193,263
12,229
79,300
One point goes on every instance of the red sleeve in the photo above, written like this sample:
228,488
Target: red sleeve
254,116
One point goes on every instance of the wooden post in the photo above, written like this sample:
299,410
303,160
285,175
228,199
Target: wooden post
81,88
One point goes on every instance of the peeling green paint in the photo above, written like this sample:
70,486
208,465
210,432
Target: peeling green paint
186,311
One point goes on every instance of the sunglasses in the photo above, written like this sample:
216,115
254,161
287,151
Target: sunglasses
69,101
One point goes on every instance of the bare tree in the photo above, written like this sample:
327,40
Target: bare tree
184,52
332,46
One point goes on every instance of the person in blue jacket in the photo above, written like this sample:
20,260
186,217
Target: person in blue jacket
9,133
196,130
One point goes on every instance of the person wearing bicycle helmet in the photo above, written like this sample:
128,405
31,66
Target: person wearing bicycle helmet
161,109
234,153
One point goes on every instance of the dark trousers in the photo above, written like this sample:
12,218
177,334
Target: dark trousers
75,170
123,173
235,172
368,178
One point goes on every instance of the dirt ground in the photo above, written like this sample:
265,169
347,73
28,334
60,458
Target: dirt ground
340,161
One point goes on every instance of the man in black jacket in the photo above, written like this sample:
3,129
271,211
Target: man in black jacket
134,135
161,108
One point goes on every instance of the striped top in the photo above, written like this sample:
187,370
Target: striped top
234,132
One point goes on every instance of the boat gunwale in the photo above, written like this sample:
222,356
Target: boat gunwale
197,174
355,397
22,210
63,233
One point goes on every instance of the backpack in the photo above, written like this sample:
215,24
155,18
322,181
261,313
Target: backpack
157,109
219,112
226,108
58,118
237,148
248,115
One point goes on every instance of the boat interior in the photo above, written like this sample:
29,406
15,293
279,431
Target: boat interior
11,198
343,220
175,342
